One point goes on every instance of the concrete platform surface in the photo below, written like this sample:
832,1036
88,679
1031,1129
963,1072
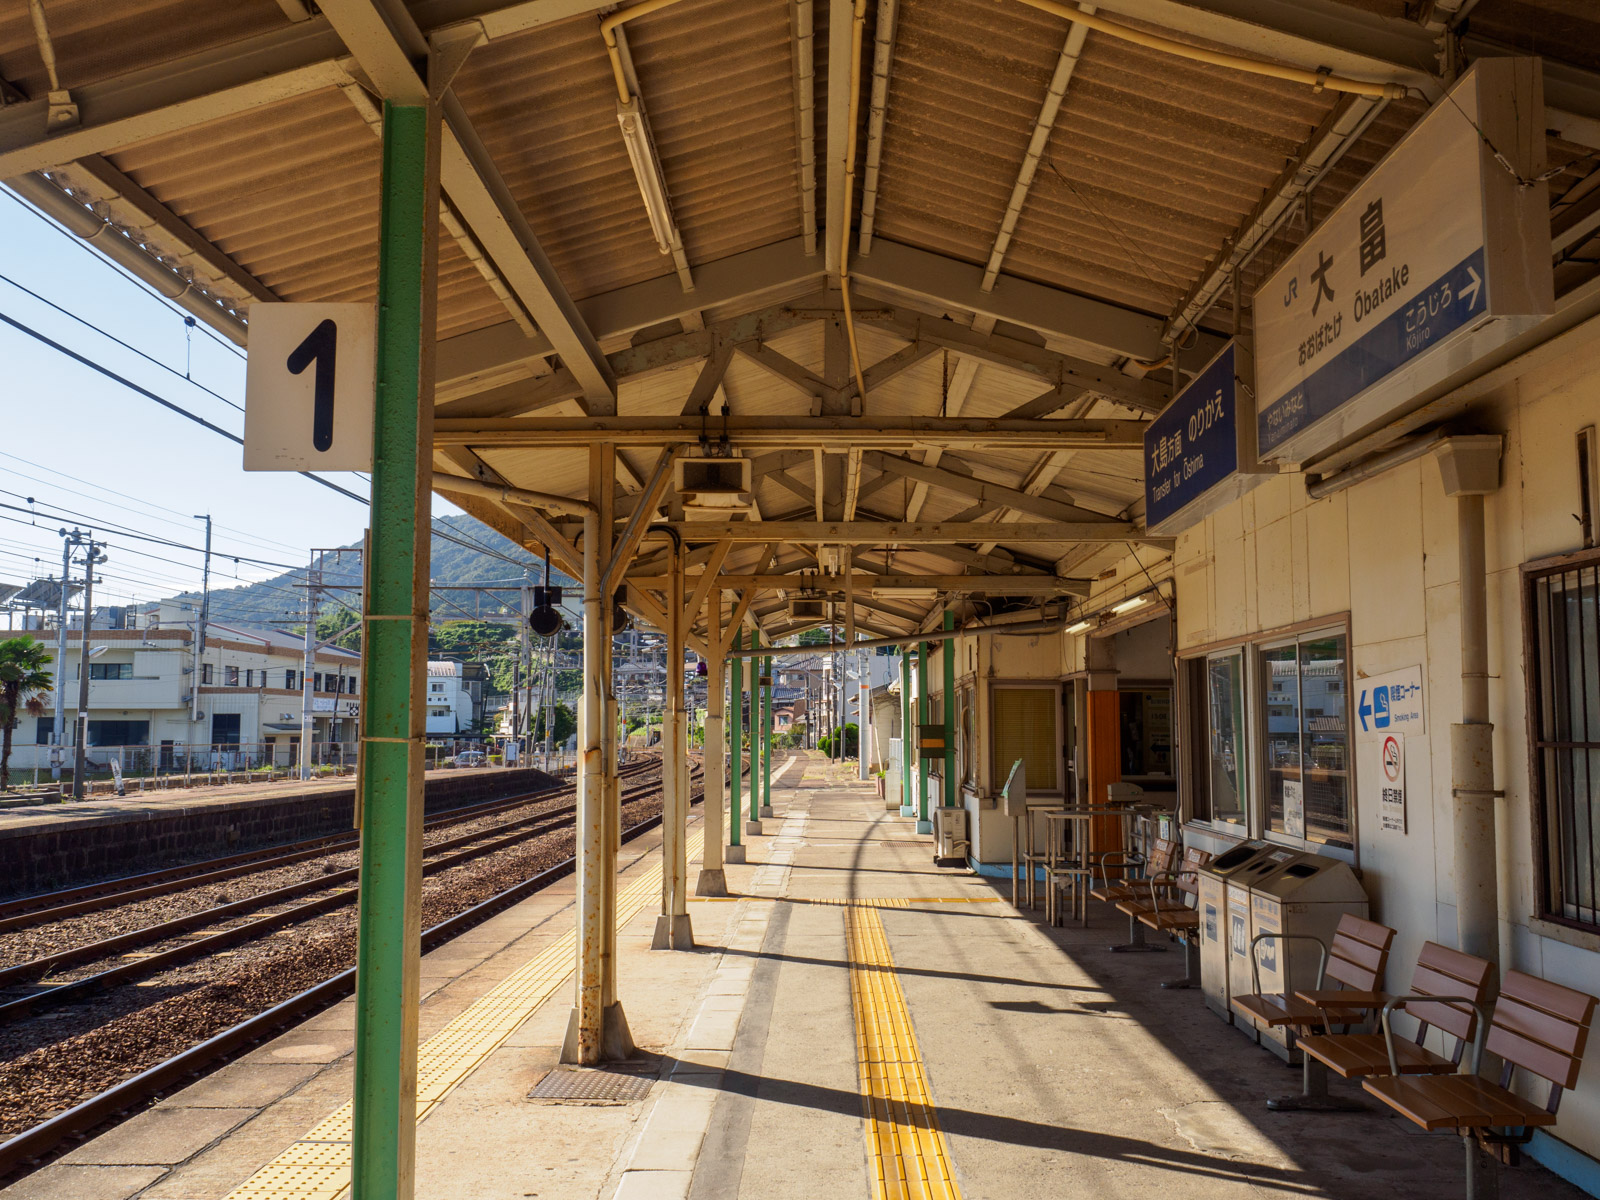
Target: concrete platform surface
853,1023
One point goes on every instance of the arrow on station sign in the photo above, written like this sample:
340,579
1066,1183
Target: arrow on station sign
1364,710
1472,289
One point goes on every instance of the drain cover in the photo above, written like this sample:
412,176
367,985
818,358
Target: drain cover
614,1083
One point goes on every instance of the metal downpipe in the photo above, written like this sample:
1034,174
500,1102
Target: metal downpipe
1472,752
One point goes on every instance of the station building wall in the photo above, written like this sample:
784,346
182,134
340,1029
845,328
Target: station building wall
1382,556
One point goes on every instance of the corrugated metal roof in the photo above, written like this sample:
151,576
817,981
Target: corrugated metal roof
1154,164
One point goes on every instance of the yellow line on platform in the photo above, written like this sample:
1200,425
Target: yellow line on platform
317,1167
907,1149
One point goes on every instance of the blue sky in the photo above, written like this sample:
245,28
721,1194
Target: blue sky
72,439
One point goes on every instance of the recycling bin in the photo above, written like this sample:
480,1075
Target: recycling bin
1216,936
1307,894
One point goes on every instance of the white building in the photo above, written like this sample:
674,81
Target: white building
449,699
143,691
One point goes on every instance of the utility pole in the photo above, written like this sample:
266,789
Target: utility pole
200,626
79,760
58,730
307,673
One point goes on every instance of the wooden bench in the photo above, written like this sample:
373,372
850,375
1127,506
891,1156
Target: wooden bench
1440,972
1538,1027
1183,922
1157,866
1165,907
1356,960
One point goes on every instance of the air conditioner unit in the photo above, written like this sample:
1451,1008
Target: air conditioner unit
950,838
808,608
712,486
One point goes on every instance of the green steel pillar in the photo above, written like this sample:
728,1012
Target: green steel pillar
766,738
736,754
908,738
948,655
924,767
394,664
752,825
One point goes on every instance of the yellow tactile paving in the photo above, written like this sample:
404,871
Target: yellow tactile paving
896,901
910,1158
317,1167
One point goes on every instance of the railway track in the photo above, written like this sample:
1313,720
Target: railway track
338,888
42,1140
47,907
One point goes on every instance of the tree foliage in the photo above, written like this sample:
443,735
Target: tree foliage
566,724
22,678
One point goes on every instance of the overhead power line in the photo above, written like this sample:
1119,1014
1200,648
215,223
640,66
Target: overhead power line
158,399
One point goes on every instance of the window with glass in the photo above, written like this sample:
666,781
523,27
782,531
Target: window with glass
1145,716
110,670
966,736
205,673
119,733
1024,726
1217,683
1306,740
230,676
1563,633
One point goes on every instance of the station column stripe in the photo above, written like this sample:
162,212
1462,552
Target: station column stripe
317,1167
906,1149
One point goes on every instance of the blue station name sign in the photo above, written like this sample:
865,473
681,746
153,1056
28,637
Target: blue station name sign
1199,452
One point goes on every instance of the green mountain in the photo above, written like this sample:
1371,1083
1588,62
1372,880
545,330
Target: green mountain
464,551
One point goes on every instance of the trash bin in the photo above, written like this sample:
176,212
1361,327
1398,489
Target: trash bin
1221,937
1305,895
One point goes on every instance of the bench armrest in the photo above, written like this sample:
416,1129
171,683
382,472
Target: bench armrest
1400,1002
1255,962
1115,858
1164,879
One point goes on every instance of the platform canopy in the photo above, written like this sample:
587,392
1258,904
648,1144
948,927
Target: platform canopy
648,241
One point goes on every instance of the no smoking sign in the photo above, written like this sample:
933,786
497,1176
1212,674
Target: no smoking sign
1392,785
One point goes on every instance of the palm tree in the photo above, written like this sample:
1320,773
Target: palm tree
22,678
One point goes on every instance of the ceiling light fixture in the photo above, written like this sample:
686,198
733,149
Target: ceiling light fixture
647,171
1080,626
1130,605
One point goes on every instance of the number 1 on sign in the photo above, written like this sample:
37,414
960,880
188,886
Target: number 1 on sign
321,345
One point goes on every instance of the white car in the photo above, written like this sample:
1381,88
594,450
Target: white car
471,758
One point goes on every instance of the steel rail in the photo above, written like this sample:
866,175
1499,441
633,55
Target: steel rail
181,1069
25,1006
71,902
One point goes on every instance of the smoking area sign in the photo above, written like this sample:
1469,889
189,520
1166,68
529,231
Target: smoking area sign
310,387
1392,783
1390,703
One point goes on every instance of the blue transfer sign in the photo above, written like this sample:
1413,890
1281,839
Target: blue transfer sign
1192,451
1435,259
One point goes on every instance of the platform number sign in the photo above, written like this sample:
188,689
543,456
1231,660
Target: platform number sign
310,387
